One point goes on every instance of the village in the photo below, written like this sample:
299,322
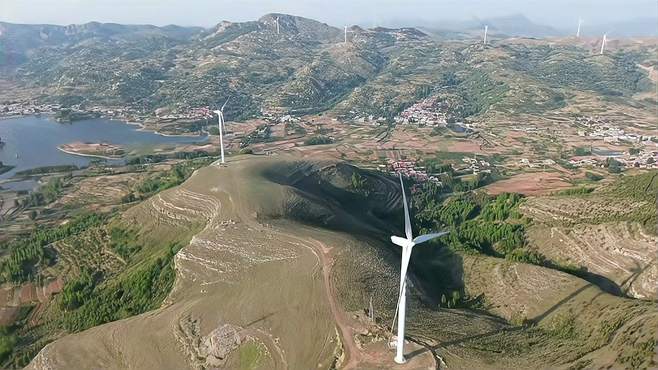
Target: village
17,109
410,168
599,128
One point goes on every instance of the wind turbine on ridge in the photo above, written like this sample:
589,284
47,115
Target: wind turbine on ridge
603,42
580,23
346,31
407,245
220,120
276,20
486,30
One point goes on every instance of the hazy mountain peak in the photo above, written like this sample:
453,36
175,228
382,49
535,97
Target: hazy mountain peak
304,27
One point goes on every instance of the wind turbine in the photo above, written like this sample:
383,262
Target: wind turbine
276,20
603,42
580,23
220,120
486,30
346,31
407,245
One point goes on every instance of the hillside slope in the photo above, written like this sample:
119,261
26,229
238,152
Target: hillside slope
256,283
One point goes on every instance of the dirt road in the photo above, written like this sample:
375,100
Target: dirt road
323,253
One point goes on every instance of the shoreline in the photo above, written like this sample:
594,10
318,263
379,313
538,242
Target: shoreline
143,128
125,120
6,168
89,155
2,118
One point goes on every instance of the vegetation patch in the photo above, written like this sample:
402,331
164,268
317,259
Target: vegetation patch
251,355
319,140
24,255
137,290
165,180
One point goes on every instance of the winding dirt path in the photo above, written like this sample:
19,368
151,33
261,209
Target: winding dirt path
323,253
352,353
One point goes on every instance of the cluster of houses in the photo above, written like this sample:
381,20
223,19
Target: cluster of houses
647,159
615,135
409,169
598,128
26,109
644,159
191,114
430,111
29,109
371,119
475,165
525,162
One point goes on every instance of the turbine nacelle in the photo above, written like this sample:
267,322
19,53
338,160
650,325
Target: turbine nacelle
406,243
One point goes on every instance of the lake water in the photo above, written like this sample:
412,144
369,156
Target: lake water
35,140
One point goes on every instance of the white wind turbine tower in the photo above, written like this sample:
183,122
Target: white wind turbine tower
346,32
580,23
603,42
486,30
220,120
276,20
407,245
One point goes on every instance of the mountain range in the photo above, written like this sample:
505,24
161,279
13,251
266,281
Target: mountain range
307,67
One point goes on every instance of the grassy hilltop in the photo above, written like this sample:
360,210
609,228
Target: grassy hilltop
263,218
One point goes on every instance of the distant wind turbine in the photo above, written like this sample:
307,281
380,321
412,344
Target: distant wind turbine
407,245
580,23
276,20
220,120
486,30
603,42
346,31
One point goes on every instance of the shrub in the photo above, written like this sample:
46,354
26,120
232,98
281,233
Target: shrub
576,191
246,151
319,140
581,151
7,342
593,176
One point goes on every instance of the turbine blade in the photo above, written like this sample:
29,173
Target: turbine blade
427,237
226,102
399,241
407,221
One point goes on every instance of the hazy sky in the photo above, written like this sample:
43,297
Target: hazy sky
336,12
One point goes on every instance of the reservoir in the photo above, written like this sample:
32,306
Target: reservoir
32,141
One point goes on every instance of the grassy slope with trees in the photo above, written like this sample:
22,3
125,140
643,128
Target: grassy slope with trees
95,291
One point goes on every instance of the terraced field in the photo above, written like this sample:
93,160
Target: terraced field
99,192
574,210
622,252
610,232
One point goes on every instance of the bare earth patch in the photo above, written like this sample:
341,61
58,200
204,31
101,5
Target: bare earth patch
529,184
